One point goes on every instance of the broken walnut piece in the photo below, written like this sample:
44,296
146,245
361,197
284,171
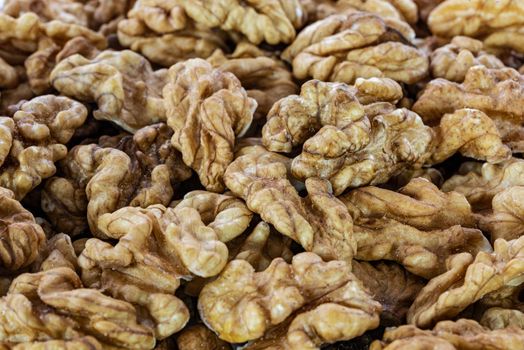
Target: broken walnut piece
480,182
122,83
498,23
34,139
227,215
499,318
22,239
53,309
200,337
319,222
344,47
265,78
207,110
453,60
161,31
467,280
66,11
156,248
463,334
258,301
499,93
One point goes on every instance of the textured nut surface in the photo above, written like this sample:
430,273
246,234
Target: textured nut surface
272,21
467,280
319,222
499,93
479,183
206,108
265,78
498,23
499,318
405,10
200,337
392,286
224,213
53,305
34,139
347,46
161,31
122,83
136,170
47,10
258,300
22,239
449,335
152,255
453,60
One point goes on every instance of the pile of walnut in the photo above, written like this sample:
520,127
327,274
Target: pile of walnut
262,174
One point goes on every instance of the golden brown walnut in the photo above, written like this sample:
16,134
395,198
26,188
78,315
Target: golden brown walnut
392,286
480,182
294,119
431,174
471,133
200,337
107,13
58,252
53,309
322,302
463,334
135,170
18,36
207,109
122,83
419,204
8,75
405,10
419,226
270,21
67,11
467,280
157,247
266,79
345,47
453,60
498,23
497,92
319,222
161,31
10,97
34,139
22,239
227,215
261,246
498,318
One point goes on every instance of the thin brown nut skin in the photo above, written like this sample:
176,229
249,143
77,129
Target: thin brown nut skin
208,102
58,252
344,47
467,281
419,204
287,288
161,247
34,139
53,305
200,337
122,83
320,222
463,334
498,24
453,60
479,183
22,238
505,219
391,285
